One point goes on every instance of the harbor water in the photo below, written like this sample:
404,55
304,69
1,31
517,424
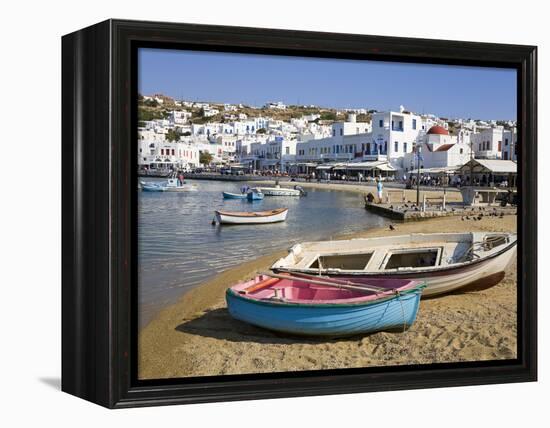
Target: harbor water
179,248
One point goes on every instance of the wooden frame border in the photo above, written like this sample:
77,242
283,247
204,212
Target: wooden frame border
98,212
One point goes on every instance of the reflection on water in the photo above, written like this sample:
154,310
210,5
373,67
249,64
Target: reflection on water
179,248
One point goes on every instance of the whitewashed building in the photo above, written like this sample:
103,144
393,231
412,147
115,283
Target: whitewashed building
179,117
438,149
162,154
394,135
487,143
509,145
279,105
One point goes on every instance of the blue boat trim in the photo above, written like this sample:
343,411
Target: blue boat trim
266,302
398,311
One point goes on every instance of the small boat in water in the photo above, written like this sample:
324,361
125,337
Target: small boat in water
282,191
229,195
255,217
319,306
444,261
255,195
170,185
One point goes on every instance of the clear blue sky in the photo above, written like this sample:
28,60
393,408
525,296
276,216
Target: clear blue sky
447,91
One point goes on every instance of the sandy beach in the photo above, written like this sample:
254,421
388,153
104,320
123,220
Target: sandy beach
196,336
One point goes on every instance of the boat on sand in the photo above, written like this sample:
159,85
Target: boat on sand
323,306
444,261
254,217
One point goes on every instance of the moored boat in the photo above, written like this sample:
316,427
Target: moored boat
229,195
445,261
255,217
281,191
255,195
325,307
170,185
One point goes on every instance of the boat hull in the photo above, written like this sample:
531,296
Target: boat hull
184,188
274,191
224,218
333,320
254,196
481,273
229,195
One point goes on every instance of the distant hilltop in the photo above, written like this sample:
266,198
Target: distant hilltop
158,106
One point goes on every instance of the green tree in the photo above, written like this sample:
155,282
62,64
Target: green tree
172,135
328,115
146,114
205,158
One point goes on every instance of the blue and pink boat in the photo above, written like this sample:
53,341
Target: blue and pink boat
320,306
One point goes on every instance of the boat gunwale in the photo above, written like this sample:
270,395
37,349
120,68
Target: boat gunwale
412,290
415,271
252,214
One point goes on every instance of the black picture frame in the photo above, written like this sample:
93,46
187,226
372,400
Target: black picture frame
99,333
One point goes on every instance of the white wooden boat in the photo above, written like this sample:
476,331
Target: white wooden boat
255,217
445,261
170,185
280,191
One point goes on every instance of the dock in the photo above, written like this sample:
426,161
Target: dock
411,212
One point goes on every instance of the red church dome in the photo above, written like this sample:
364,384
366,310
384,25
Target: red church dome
438,130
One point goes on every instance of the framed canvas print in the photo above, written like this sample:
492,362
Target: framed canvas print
253,213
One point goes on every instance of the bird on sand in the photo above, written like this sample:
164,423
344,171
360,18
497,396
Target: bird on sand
392,227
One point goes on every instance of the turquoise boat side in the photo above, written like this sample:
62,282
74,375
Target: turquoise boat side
152,188
228,195
396,313
252,196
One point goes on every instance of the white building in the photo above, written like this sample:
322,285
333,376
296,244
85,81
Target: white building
209,112
438,149
488,143
179,117
162,154
394,135
348,141
509,145
279,105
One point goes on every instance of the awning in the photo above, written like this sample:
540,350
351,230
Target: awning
311,164
490,166
327,166
385,167
440,170
364,166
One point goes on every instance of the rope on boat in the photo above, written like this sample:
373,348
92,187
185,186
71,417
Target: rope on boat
398,297
486,244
